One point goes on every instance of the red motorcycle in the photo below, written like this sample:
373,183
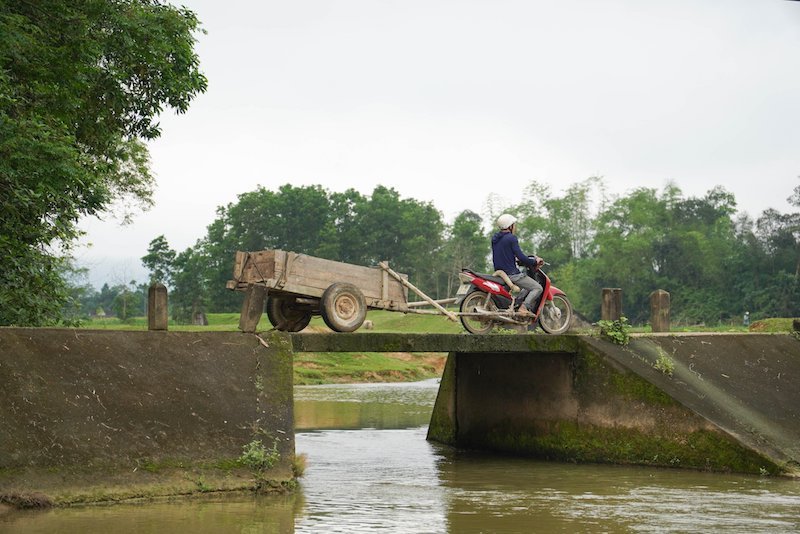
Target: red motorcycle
486,302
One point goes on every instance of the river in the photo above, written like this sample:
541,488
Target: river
371,469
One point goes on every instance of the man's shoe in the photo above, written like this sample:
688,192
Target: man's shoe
523,312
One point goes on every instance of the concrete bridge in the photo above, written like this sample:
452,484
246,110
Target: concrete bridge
726,402
92,415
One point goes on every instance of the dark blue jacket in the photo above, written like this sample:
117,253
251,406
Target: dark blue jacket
505,247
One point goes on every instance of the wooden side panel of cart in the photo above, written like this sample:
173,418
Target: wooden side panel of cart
298,283
301,275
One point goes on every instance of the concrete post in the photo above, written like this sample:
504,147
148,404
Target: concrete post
659,311
611,309
252,308
157,307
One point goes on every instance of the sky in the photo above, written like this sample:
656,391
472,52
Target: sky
450,101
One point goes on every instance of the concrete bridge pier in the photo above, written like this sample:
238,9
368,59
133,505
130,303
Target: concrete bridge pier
577,404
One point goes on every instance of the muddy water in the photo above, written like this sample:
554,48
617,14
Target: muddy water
370,469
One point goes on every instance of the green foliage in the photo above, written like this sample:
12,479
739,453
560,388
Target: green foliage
81,85
347,227
772,325
617,331
159,260
128,300
33,291
191,285
664,363
258,457
299,463
714,266
465,247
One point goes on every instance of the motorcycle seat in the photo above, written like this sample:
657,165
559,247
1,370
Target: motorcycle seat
490,277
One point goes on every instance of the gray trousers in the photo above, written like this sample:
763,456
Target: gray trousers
526,282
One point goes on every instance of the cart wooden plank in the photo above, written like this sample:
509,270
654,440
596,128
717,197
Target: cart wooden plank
309,276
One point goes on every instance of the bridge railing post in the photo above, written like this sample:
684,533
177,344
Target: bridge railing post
611,309
659,310
157,307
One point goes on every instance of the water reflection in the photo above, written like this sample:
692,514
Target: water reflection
360,481
493,494
242,513
348,406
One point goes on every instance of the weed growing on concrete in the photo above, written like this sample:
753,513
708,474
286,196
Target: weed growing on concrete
616,331
299,465
664,363
202,487
258,457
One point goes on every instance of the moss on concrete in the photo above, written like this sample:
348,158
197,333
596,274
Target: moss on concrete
443,427
593,371
150,480
569,442
386,342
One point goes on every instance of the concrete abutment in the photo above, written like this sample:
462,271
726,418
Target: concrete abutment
98,415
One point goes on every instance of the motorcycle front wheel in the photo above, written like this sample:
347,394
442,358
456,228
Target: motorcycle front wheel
557,315
471,303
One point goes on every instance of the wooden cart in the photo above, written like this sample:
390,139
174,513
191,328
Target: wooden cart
297,287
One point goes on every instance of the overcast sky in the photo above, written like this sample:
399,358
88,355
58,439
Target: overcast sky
447,101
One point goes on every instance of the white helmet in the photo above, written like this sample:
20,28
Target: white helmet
505,221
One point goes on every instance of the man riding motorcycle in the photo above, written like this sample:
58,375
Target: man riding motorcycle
505,254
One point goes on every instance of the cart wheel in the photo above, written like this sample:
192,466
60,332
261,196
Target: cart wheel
343,307
284,316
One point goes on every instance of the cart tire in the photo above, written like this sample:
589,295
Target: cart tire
284,316
343,307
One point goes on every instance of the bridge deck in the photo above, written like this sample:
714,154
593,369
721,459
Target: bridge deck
380,342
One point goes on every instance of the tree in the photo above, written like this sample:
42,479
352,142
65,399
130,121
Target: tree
794,200
81,87
159,261
190,294
465,247
129,300
405,232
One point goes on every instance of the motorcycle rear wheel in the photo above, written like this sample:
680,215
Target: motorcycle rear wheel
473,324
557,315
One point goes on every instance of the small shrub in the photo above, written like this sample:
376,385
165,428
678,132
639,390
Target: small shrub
299,465
202,487
616,331
258,457
664,363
